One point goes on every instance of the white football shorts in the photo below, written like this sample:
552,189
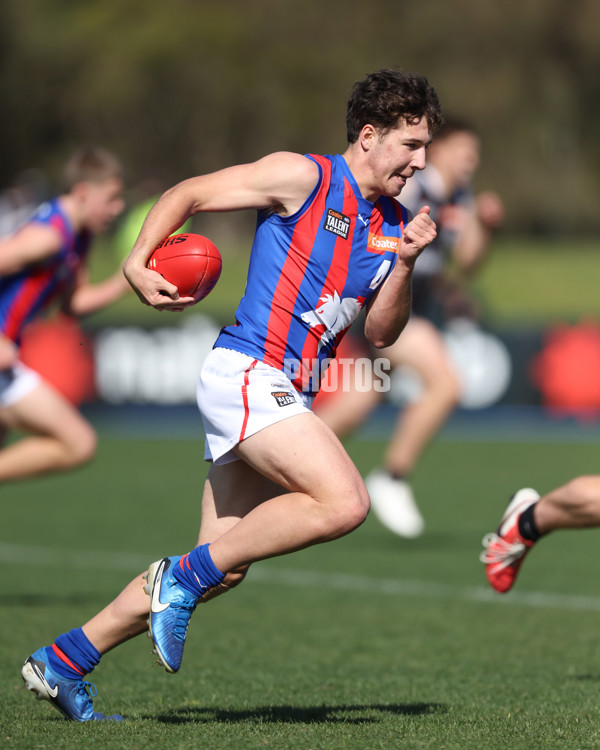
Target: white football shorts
16,382
238,396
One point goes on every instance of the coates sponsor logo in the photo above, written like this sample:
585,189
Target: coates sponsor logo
337,223
379,245
283,398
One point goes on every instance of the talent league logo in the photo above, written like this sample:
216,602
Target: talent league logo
337,223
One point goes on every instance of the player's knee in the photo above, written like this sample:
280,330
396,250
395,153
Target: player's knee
362,505
357,516
450,389
81,448
351,511
443,388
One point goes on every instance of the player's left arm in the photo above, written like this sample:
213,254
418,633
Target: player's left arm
390,307
85,298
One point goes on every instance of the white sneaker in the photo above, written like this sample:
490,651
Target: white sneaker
394,504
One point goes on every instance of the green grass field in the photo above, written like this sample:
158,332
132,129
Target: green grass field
367,642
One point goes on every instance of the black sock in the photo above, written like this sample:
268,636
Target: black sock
527,526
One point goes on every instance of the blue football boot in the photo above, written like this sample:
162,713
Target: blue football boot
73,698
171,606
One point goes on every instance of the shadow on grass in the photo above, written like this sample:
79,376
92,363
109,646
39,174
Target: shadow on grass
298,714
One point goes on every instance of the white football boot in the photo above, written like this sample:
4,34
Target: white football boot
393,503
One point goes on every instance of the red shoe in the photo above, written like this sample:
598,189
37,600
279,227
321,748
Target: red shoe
506,549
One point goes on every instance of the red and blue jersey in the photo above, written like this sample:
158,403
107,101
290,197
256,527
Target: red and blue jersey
25,294
311,273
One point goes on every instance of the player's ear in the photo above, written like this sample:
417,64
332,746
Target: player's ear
367,137
80,191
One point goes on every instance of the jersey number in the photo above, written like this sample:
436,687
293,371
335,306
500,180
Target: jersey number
381,274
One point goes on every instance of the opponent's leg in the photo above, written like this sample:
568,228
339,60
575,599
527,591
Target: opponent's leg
422,349
575,505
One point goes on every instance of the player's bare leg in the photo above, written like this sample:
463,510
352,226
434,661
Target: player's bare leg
230,492
125,617
575,505
326,496
59,437
224,505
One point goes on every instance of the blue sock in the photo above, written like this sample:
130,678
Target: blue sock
72,655
197,572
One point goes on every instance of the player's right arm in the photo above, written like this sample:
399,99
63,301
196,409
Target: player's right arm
280,182
29,245
389,309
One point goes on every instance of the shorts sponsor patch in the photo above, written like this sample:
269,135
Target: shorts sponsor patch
283,398
337,223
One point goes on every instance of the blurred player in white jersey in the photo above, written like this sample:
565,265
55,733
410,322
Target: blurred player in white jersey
465,224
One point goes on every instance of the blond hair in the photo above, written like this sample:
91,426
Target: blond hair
91,164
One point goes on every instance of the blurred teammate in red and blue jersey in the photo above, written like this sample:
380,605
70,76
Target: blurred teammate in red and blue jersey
42,263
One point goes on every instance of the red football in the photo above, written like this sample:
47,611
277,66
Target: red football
190,261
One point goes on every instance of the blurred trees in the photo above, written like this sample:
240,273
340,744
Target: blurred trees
188,86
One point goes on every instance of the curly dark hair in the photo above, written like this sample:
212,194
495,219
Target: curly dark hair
386,96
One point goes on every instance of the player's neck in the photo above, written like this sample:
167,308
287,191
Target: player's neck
361,173
70,206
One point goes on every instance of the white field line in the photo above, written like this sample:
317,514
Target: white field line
261,573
